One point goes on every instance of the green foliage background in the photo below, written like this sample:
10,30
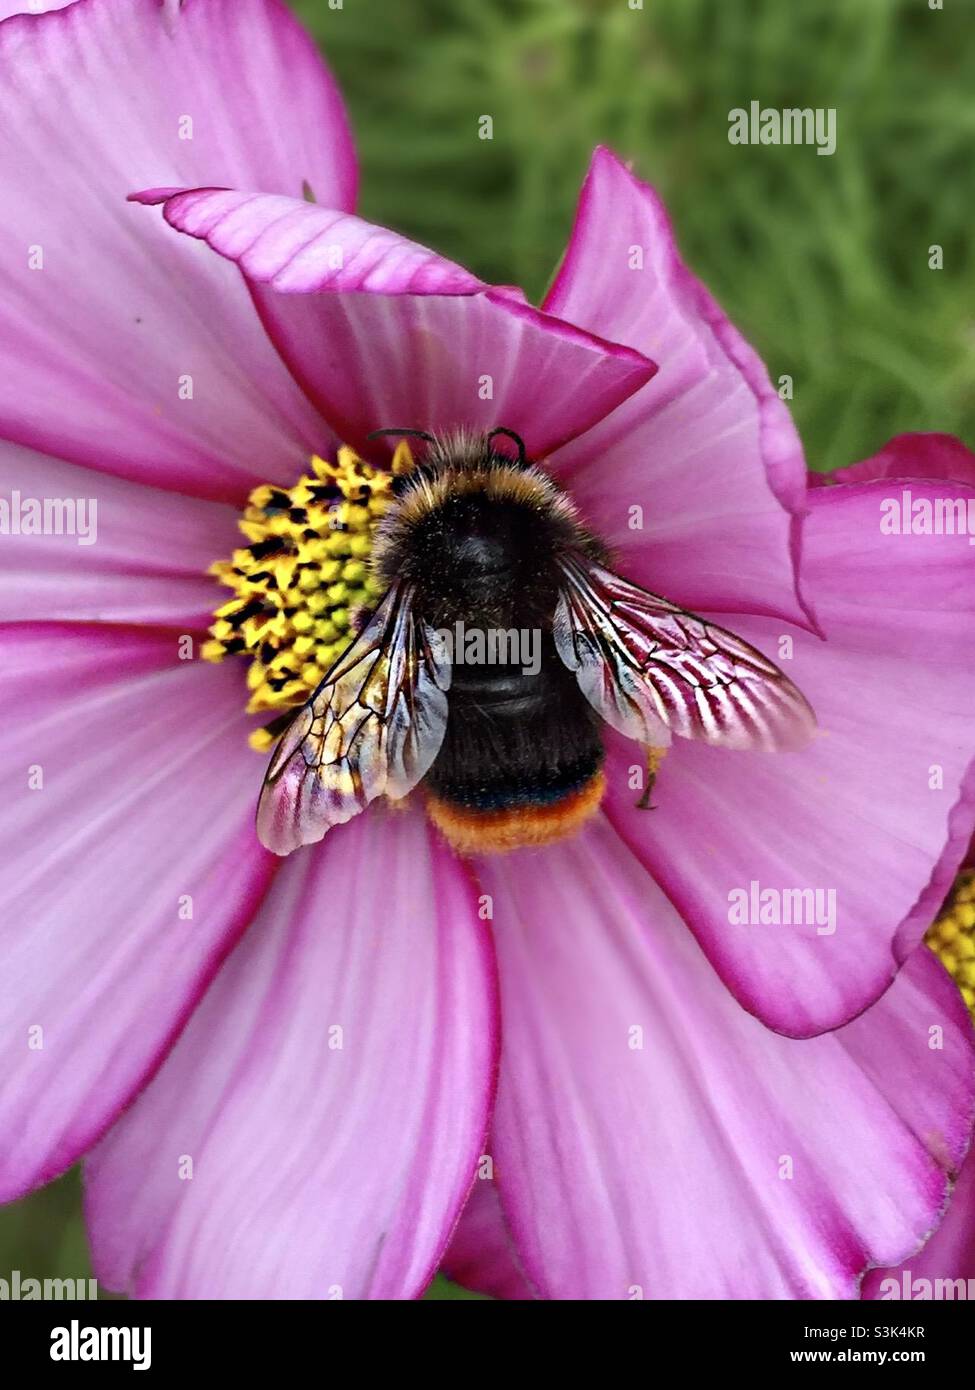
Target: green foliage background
821,261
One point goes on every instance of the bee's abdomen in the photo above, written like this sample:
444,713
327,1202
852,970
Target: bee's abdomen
547,787
521,761
530,823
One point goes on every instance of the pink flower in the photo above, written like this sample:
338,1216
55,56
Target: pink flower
285,1074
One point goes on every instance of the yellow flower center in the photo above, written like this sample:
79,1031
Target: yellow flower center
302,585
952,937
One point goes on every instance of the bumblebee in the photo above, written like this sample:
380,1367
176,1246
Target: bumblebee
479,540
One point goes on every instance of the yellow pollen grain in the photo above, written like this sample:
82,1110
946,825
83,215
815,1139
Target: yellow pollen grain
952,936
300,583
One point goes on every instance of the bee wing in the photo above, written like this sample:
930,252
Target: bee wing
373,727
651,669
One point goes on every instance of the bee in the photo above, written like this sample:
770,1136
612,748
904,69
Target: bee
508,755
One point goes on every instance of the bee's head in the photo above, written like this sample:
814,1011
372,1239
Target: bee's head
469,505
457,450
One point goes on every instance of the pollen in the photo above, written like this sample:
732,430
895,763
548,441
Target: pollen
952,937
302,586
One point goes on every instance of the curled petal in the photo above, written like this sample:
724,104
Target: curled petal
698,480
381,332
297,247
906,456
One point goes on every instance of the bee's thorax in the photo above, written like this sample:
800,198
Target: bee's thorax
479,535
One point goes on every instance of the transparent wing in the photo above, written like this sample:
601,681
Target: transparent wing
651,669
372,728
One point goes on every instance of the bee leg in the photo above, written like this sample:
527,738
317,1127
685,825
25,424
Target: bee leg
655,757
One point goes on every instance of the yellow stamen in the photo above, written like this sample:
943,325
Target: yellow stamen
302,582
952,937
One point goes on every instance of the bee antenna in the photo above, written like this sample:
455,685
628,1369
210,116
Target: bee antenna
415,434
522,459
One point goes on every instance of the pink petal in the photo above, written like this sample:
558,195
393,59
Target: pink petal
877,810
147,803
645,1124
100,343
707,449
427,348
909,456
297,247
949,1254
11,7
127,554
318,1171
481,1255
372,361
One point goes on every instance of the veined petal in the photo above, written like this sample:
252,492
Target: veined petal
123,347
438,363
336,1120
297,247
126,829
653,1140
707,451
873,817
381,332
947,1256
124,553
